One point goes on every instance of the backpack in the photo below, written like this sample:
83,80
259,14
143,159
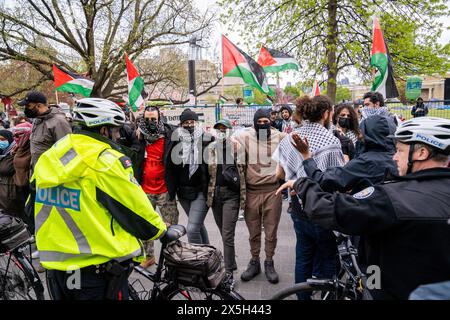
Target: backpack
13,232
197,265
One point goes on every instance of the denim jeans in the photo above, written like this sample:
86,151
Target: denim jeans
196,211
315,252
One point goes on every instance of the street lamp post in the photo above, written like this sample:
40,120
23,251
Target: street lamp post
194,50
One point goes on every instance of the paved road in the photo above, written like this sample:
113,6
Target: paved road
259,287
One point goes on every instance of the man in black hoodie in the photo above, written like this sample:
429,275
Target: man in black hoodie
367,169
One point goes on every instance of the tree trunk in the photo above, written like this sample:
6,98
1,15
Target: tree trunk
332,37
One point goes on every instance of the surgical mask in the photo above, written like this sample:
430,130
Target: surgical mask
4,144
31,113
344,123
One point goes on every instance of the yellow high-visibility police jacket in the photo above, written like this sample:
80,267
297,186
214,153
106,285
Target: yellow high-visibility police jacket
88,207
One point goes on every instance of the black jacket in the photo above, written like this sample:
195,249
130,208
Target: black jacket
404,223
367,169
168,169
173,168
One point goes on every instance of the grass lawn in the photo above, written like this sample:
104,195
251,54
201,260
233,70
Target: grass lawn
431,113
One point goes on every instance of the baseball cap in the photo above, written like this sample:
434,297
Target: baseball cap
224,122
33,97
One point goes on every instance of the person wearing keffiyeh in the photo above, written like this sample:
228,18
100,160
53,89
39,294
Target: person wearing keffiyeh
316,247
374,105
190,173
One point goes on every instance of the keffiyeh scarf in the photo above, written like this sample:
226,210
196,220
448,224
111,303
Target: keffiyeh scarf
150,137
369,111
324,146
190,148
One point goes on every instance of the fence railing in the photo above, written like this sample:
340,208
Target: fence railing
436,108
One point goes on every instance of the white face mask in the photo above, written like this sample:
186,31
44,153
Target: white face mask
221,135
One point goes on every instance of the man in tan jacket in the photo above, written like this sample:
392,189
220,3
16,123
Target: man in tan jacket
263,206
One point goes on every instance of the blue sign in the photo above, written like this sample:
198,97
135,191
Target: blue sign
59,197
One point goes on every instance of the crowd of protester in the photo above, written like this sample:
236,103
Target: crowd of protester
342,150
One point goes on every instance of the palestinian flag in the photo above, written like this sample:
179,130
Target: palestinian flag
66,81
222,99
236,63
136,91
276,61
316,89
380,59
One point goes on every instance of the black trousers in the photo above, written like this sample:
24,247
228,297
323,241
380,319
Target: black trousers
82,284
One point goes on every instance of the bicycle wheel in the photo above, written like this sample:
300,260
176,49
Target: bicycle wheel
18,279
195,293
317,292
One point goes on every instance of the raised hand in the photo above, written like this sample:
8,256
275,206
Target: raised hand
302,146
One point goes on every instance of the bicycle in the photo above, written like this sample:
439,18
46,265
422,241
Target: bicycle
349,284
18,278
168,286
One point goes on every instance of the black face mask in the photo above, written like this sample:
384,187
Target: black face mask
190,129
31,113
262,130
344,123
152,126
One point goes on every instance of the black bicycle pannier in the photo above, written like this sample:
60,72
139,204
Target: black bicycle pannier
13,232
194,264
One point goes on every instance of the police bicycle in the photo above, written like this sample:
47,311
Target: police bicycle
18,279
167,285
349,284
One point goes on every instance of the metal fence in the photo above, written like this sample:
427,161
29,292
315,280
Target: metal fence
436,108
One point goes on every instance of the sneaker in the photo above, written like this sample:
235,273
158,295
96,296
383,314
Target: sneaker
269,270
147,263
253,269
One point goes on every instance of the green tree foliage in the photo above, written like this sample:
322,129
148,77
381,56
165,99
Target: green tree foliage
342,94
331,36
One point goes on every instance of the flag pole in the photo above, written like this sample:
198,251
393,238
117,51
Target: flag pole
56,94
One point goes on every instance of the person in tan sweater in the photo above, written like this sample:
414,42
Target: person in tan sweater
263,206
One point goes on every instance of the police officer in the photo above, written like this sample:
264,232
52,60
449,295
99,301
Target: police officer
403,221
89,209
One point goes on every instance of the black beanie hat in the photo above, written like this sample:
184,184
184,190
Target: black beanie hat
188,114
286,108
7,135
261,113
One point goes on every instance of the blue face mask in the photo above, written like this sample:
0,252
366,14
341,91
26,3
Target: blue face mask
4,145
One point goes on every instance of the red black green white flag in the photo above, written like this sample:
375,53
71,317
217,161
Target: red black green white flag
136,91
380,59
236,63
67,81
276,61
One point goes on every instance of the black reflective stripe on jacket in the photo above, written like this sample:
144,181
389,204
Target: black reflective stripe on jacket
129,220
